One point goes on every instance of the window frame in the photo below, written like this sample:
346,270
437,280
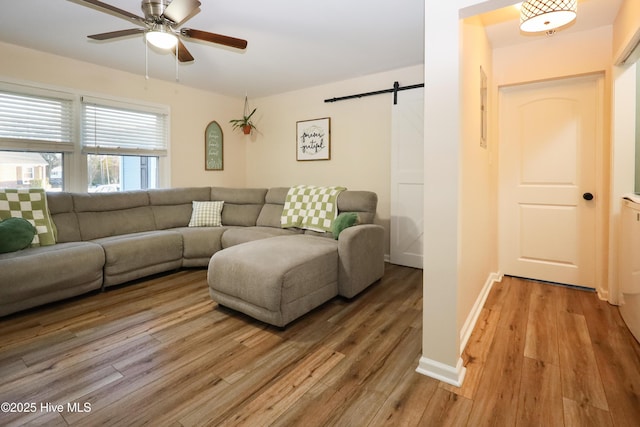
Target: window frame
74,160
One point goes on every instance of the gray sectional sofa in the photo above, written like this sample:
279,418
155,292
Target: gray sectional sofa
107,239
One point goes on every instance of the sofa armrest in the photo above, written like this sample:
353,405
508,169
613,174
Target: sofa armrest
361,258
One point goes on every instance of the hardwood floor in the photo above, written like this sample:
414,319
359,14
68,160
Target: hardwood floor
160,352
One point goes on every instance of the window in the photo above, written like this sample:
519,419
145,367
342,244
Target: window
50,138
37,119
36,128
120,173
122,145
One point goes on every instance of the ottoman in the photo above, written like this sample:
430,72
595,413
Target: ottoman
275,280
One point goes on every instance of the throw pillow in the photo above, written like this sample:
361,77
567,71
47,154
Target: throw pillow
30,204
342,221
206,214
15,234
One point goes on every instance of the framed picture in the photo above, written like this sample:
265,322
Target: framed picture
313,139
213,147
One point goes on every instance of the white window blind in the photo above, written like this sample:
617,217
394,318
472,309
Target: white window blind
114,128
35,123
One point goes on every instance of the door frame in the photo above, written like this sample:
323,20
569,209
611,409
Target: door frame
602,155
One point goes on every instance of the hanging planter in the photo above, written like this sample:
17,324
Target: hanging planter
245,122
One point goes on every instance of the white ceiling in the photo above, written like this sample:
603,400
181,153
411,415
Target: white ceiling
293,44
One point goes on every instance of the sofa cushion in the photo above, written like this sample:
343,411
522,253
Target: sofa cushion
362,202
30,204
64,217
36,276
237,235
272,210
132,256
206,214
111,214
199,244
15,234
275,280
96,225
102,202
241,205
172,207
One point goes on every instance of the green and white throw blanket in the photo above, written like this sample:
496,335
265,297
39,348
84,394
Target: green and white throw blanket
30,204
311,207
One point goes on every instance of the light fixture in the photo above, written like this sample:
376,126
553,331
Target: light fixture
161,37
546,15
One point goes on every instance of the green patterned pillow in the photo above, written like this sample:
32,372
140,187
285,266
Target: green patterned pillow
206,214
30,204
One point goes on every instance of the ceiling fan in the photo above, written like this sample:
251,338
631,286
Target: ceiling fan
160,26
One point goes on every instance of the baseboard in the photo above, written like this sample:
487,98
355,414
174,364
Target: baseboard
441,372
472,318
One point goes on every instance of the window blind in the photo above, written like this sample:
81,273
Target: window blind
35,123
121,130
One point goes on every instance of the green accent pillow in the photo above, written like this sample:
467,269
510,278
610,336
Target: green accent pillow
342,221
206,214
30,204
15,234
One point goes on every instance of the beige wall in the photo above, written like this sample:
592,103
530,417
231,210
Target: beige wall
478,172
552,57
360,137
191,109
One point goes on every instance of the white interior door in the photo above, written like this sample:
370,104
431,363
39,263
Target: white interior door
407,178
549,134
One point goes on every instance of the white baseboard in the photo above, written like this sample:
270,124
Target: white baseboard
441,372
472,318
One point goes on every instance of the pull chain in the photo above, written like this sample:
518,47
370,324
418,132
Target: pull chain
146,59
177,68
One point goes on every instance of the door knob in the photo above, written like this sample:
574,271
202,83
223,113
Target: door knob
587,196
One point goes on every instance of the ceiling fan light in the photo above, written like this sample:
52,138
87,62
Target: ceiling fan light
546,15
161,38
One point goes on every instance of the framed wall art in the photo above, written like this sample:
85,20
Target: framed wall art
213,147
313,139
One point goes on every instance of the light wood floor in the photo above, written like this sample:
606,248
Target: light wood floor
160,352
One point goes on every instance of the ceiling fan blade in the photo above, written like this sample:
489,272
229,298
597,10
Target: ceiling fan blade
214,38
116,11
183,53
114,34
179,10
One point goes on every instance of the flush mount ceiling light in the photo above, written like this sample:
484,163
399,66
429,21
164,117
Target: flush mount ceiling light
161,37
546,15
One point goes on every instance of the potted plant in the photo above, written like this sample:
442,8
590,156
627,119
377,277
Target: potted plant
245,122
